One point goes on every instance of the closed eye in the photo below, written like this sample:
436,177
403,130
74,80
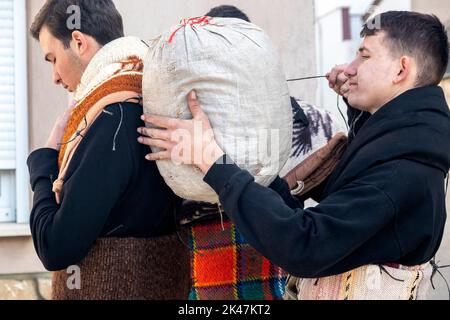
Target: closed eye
47,58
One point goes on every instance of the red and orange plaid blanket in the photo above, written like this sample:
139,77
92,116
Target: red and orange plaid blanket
225,267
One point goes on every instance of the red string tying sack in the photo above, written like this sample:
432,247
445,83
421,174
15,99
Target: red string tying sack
192,21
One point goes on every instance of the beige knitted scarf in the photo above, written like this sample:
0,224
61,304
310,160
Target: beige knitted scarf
114,75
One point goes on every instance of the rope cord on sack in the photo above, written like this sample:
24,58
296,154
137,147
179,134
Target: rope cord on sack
118,128
446,185
306,78
78,134
177,231
191,22
139,100
436,269
221,216
383,269
338,97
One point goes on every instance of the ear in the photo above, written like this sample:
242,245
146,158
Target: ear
403,70
79,43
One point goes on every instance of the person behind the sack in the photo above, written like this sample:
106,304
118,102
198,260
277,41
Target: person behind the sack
257,278
382,214
98,205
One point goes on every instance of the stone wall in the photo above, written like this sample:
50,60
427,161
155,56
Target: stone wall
25,287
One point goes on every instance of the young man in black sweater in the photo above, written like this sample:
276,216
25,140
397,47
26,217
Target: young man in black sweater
113,216
384,204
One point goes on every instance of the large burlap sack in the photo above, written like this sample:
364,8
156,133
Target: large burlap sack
238,77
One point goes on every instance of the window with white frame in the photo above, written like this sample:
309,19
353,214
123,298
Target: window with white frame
14,197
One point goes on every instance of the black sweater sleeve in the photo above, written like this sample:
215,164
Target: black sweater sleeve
307,243
63,234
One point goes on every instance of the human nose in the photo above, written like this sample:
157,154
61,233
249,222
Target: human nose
352,69
56,78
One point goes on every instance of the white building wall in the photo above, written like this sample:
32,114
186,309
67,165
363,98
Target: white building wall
331,48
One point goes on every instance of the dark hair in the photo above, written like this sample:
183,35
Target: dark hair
227,12
99,19
421,36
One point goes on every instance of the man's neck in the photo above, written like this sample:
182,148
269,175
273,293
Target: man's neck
395,94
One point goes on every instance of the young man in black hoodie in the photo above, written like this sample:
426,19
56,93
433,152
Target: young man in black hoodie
384,204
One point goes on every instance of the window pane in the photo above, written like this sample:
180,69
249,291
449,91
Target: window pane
7,196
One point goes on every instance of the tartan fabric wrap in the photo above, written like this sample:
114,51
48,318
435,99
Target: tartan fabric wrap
225,267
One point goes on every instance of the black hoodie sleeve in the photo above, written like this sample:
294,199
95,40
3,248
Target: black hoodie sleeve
307,243
63,234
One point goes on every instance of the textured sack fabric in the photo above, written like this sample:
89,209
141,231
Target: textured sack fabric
365,283
129,269
237,74
225,267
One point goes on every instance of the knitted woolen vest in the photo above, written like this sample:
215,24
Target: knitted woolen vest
129,269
